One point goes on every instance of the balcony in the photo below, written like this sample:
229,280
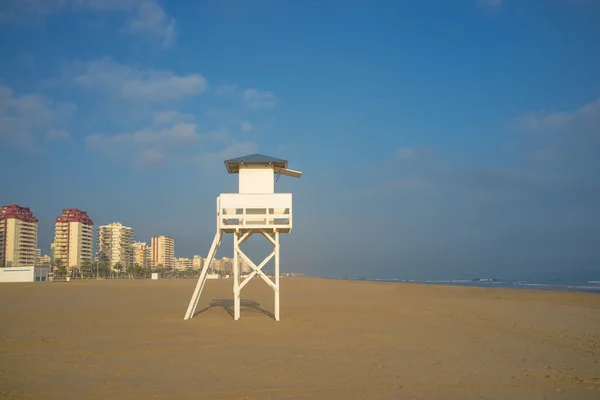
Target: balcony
254,211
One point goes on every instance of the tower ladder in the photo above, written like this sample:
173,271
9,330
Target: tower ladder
202,279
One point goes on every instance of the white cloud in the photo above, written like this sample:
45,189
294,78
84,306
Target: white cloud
150,157
565,140
24,117
151,19
587,115
145,17
146,146
210,160
254,98
405,153
228,88
134,84
157,144
246,126
411,154
57,134
171,116
237,149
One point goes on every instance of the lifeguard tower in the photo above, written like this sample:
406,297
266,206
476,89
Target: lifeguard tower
255,209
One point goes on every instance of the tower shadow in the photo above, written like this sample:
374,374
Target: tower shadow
245,305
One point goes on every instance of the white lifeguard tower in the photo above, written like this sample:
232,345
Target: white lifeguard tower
255,209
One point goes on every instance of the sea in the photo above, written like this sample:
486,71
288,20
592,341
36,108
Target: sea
590,286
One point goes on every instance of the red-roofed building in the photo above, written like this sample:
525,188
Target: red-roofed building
18,236
73,237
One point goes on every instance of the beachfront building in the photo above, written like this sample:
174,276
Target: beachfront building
44,261
163,252
52,252
18,236
216,266
73,237
115,244
182,263
244,267
197,262
227,264
142,255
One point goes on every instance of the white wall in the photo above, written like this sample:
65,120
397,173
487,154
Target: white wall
257,179
17,274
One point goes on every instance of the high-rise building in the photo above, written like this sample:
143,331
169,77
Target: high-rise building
142,255
73,237
18,236
115,244
163,252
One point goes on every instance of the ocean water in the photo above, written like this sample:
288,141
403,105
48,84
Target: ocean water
592,286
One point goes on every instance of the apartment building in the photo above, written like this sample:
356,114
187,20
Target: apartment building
44,261
115,244
163,252
18,236
73,237
183,263
197,262
244,266
142,255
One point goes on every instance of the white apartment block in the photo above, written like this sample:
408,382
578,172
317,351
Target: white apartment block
183,263
73,237
163,252
142,254
115,244
197,262
18,236
44,261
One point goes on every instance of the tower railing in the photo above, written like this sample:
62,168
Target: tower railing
254,211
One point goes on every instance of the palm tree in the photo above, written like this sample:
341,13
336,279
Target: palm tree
104,268
133,270
86,268
59,266
118,267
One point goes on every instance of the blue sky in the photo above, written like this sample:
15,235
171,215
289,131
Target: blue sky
438,139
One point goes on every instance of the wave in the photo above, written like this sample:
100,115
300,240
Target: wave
589,286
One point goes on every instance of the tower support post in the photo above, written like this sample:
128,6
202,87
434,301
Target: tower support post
236,276
276,275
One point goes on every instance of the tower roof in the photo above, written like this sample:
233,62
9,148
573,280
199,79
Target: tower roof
233,165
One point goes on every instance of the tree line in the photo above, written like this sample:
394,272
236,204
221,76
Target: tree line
102,269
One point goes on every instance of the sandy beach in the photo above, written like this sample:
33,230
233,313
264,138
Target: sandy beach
127,339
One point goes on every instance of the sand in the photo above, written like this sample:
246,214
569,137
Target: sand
336,340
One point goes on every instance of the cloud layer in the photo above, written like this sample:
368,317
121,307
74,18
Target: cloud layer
25,118
143,18
159,98
134,84
148,146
